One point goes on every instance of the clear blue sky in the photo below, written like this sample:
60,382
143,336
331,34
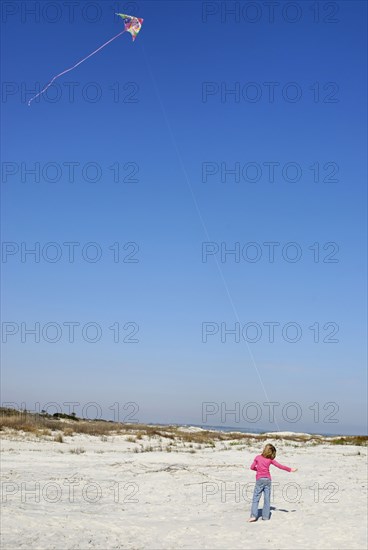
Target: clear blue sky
163,107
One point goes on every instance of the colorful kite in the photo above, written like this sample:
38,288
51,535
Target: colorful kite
131,24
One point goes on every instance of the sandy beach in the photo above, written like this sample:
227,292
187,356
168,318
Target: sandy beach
115,492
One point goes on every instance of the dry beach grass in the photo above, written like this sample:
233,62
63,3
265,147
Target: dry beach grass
44,425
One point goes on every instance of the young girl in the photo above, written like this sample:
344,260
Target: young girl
261,464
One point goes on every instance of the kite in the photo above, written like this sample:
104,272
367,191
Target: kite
131,24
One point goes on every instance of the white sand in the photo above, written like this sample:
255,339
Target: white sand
177,499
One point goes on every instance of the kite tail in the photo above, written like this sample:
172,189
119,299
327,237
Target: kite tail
74,66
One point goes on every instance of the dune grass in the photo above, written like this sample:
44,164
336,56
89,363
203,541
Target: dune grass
41,424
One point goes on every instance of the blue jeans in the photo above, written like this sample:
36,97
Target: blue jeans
263,485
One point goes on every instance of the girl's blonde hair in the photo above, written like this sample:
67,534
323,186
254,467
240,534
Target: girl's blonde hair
269,451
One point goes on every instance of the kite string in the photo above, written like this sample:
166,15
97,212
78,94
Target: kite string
187,179
74,66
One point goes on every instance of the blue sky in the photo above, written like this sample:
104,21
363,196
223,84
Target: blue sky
193,89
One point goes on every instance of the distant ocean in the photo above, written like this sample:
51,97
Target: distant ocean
253,431
244,429
228,429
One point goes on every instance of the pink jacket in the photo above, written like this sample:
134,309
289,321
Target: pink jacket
262,466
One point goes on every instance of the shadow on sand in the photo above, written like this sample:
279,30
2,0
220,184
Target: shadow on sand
273,509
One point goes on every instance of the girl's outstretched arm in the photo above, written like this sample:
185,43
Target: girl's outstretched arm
281,466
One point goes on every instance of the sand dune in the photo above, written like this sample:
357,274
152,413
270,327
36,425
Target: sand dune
99,492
